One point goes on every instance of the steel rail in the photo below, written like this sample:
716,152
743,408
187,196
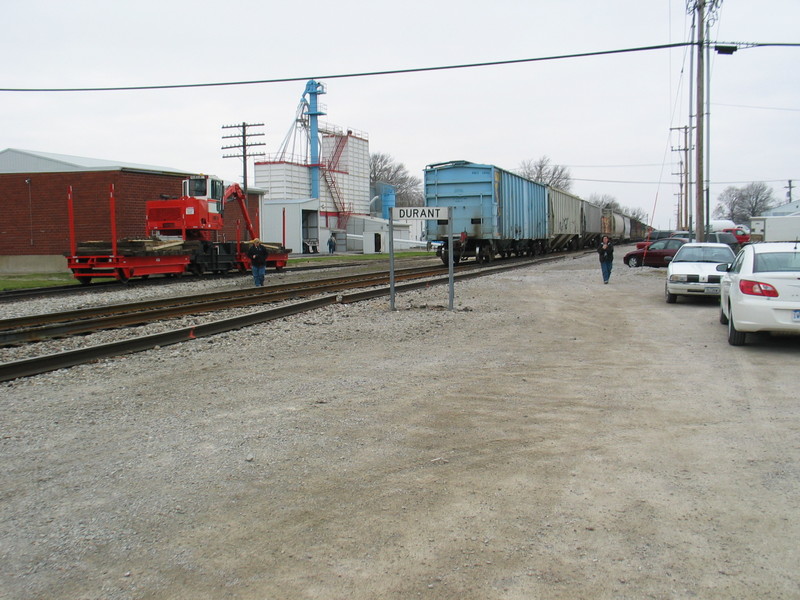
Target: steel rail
61,360
51,325
103,286
52,362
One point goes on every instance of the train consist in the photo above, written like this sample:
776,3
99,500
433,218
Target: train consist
183,237
498,213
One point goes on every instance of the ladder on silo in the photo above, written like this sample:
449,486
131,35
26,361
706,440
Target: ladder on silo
330,179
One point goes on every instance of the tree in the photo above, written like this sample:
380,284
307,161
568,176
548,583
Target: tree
542,171
408,189
739,204
608,201
604,201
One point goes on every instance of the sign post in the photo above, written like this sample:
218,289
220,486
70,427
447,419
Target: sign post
450,255
391,258
421,213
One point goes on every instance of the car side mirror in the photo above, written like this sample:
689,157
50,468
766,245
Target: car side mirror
668,258
723,268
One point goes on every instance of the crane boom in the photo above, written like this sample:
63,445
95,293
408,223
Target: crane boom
235,191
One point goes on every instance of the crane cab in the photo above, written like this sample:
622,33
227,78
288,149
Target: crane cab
193,216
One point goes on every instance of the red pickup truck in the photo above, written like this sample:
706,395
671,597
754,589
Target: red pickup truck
741,235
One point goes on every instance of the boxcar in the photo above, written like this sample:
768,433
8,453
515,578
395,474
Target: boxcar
494,211
638,230
591,225
564,220
613,225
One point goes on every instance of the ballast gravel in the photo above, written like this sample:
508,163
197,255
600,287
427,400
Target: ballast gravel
551,437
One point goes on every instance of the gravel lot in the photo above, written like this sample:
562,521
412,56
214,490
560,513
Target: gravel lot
552,437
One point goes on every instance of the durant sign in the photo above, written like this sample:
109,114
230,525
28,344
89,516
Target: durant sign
424,213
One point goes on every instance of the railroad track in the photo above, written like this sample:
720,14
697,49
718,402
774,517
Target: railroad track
104,286
40,327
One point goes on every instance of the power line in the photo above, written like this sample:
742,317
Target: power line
664,183
392,71
758,107
610,166
350,75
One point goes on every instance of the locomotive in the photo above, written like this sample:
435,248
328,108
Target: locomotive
499,213
183,237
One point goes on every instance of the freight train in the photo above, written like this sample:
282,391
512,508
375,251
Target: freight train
183,237
497,213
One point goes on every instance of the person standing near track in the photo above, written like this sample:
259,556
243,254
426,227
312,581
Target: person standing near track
606,252
258,261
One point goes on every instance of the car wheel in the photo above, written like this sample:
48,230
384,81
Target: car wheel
633,261
670,298
735,337
722,318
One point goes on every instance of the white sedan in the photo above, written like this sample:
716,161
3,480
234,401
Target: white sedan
761,290
693,270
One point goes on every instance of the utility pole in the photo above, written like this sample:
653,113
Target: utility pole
703,8
683,208
243,145
789,193
679,220
699,229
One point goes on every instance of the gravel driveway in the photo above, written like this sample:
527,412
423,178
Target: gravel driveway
552,437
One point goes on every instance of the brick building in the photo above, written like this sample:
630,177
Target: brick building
34,230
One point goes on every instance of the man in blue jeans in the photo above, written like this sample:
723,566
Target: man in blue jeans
606,252
258,261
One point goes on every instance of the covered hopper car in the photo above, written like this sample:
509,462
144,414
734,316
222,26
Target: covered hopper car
499,213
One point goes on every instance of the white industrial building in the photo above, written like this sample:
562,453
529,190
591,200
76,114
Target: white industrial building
290,213
324,192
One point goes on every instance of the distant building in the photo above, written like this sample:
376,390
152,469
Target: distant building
783,210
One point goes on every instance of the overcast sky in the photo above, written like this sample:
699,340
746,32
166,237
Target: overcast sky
607,118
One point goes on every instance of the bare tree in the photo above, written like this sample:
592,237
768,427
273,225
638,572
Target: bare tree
543,171
608,201
604,201
637,213
739,204
408,189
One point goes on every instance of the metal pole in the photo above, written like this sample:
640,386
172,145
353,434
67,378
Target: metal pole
112,206
71,215
450,254
244,157
391,258
689,155
708,130
700,150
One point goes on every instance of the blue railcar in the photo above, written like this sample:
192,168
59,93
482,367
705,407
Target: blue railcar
495,212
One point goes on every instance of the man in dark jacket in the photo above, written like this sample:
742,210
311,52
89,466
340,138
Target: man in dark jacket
606,252
258,261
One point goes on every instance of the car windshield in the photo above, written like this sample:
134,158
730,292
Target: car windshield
771,262
709,255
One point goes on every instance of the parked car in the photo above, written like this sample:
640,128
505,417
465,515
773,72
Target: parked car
724,237
740,233
693,270
655,235
654,255
760,290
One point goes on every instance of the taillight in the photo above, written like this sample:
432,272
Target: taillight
756,288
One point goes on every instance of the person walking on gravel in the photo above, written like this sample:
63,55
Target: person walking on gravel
258,261
606,252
